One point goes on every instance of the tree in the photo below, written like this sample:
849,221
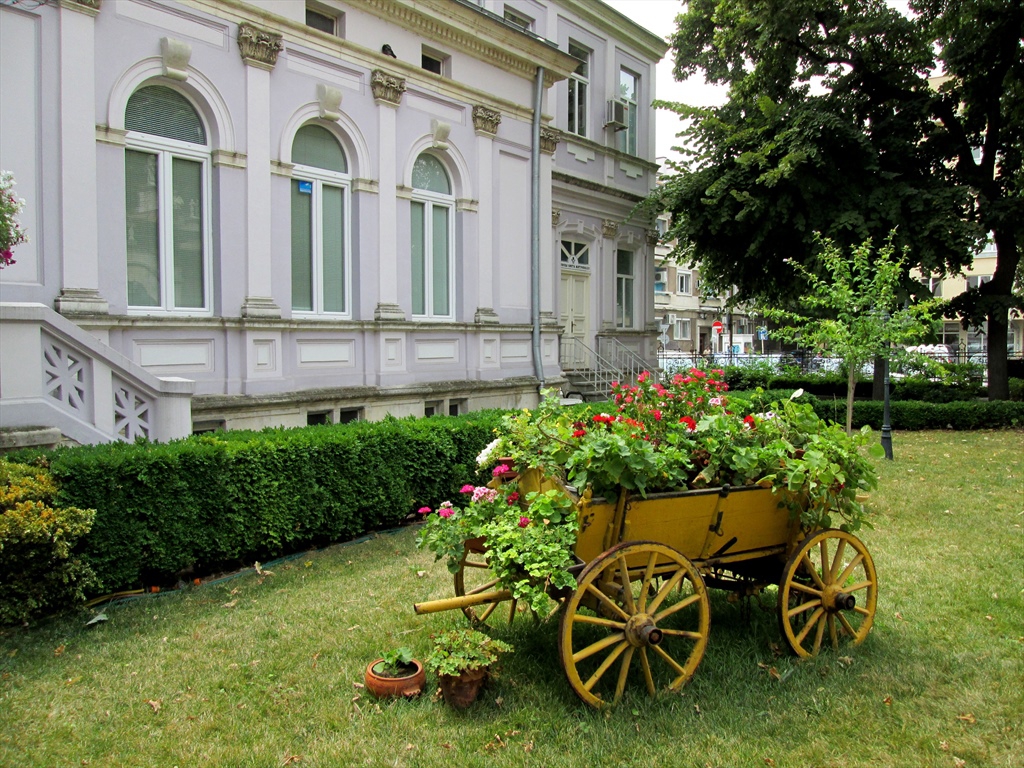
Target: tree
834,125
853,312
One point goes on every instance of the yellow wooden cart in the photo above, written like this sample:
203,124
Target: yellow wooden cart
645,566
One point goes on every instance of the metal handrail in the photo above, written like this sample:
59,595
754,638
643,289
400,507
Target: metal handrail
587,366
626,360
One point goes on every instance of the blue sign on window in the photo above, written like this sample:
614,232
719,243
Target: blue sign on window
306,187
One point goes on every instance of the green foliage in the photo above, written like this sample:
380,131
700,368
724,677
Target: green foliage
215,501
396,662
913,415
833,125
39,571
460,650
1017,389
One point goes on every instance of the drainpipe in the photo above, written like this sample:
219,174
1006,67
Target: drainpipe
538,97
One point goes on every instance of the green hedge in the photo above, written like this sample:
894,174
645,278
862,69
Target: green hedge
913,415
215,501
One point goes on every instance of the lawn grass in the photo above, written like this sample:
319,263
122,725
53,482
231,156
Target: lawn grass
263,670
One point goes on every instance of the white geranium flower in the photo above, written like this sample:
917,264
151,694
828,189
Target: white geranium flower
485,454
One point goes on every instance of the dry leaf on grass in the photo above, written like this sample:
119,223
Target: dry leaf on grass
958,763
769,761
155,704
289,759
230,604
968,718
58,650
887,701
944,746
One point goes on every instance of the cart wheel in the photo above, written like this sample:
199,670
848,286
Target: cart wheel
475,576
638,599
828,586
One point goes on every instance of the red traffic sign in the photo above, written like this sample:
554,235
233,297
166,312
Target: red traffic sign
717,326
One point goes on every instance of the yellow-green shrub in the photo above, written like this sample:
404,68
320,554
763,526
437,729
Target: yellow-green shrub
38,571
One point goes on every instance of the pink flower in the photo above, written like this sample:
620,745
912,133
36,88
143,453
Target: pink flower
656,414
501,469
513,497
424,510
523,522
467,488
487,494
445,512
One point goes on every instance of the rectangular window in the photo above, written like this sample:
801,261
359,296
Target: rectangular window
165,230
683,282
933,285
435,61
431,260
325,22
976,281
579,85
318,247
951,335
514,17
682,329
629,93
623,289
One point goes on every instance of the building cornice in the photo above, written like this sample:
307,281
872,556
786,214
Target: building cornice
593,186
620,27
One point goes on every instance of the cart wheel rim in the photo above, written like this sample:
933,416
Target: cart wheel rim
828,593
657,627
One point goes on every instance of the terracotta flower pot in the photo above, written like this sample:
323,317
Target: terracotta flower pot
408,685
460,691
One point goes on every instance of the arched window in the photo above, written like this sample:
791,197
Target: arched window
320,216
166,168
432,220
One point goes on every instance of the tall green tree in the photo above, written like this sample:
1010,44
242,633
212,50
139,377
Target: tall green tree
836,124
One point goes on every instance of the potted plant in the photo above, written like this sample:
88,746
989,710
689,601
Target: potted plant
396,673
461,659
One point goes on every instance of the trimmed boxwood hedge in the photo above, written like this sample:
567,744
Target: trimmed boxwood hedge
216,501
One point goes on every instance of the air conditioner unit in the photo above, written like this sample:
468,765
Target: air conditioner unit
617,111
671,319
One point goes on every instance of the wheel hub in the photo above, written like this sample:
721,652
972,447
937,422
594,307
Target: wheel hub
641,631
834,600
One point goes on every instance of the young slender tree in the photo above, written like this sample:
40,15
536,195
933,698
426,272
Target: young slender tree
853,312
835,123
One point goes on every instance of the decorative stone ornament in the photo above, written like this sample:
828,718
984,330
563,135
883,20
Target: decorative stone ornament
440,131
258,47
549,138
609,228
91,7
330,102
175,55
556,216
486,120
387,88
653,237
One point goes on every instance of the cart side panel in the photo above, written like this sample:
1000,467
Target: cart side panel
594,519
751,519
680,520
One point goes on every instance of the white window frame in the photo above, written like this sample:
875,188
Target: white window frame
166,150
628,138
582,83
517,18
976,281
319,177
688,278
430,200
682,331
625,287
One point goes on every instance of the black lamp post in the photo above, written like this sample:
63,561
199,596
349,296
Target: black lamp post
886,423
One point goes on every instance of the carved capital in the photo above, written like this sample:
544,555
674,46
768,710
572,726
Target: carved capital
653,237
485,119
387,88
549,138
258,47
556,216
89,7
609,228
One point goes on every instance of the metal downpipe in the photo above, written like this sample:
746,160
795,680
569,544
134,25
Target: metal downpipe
538,98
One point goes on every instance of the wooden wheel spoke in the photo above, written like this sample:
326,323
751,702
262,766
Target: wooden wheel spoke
627,589
666,590
682,633
803,607
476,564
512,610
826,572
582,618
862,610
607,601
838,559
681,670
620,684
597,647
849,568
833,635
482,587
797,586
694,598
809,625
819,635
486,612
847,626
646,585
645,664
609,660
859,586
812,570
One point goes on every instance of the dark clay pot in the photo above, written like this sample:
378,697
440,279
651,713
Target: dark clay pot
460,691
408,685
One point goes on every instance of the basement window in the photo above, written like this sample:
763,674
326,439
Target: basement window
314,418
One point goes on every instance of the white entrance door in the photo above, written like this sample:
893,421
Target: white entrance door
575,318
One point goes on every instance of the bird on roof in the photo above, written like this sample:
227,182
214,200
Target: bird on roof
387,51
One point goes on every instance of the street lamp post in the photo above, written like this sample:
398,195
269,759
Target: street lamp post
886,425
